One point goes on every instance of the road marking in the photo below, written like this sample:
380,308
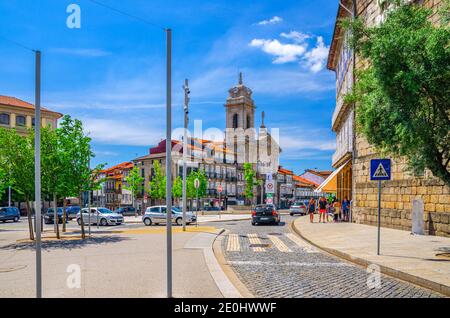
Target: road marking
233,243
279,244
302,244
253,238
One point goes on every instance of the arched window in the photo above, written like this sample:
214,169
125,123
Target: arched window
4,119
21,121
235,121
248,122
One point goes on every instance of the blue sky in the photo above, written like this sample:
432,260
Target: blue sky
110,73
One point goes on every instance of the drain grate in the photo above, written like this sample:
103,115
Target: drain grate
275,234
260,245
231,224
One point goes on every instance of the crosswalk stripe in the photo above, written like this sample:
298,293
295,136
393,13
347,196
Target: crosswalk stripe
233,243
253,238
302,244
279,244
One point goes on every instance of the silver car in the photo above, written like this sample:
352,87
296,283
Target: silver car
298,208
100,216
158,215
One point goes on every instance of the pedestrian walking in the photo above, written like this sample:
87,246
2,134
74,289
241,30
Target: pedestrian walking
322,209
345,209
336,210
311,209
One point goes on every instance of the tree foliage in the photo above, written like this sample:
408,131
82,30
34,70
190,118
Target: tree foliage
134,182
403,96
157,188
250,180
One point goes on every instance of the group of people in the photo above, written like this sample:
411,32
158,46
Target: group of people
336,210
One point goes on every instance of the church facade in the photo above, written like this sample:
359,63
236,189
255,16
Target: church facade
222,159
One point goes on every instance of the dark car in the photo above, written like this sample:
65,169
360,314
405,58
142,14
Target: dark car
72,211
49,216
127,210
266,214
9,214
211,208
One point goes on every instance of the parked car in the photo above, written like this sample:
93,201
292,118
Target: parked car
265,213
211,208
127,210
100,216
298,208
49,216
158,214
72,211
9,214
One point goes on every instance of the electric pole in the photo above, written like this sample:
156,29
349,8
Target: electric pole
185,141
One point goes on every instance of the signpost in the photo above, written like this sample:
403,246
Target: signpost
380,169
196,185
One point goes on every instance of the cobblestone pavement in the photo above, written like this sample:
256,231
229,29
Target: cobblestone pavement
273,262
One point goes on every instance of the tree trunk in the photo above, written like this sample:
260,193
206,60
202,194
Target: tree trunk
30,221
64,215
83,234
56,219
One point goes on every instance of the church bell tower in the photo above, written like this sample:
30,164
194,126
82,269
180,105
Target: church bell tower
240,107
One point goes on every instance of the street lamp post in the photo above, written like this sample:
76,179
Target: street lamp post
186,123
37,175
169,161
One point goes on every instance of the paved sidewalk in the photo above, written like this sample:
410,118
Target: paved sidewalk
409,257
201,218
113,265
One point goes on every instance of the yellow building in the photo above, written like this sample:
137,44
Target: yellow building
354,153
18,114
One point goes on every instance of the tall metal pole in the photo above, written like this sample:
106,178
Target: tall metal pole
379,217
89,199
37,175
186,123
169,161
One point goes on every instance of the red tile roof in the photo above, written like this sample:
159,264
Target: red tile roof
285,171
303,181
13,101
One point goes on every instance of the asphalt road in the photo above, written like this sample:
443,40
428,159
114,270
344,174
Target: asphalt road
274,263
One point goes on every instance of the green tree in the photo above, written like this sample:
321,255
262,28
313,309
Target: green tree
18,152
177,188
3,180
191,191
403,96
157,188
76,145
134,183
52,170
250,181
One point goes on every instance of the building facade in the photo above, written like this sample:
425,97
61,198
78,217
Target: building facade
112,194
354,150
18,114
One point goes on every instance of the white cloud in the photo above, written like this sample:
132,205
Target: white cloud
316,58
130,132
284,52
297,37
274,20
82,52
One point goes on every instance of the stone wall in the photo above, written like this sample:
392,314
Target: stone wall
397,194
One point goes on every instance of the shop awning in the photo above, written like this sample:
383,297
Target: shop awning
330,183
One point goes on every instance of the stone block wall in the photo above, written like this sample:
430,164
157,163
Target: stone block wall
397,194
